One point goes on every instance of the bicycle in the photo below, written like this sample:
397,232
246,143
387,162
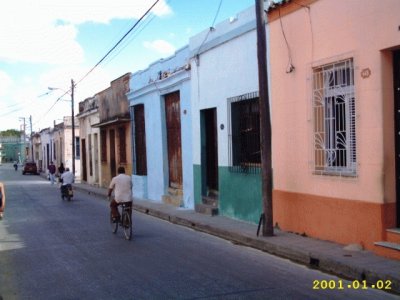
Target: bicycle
125,221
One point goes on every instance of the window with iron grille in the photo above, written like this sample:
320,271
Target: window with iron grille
103,138
334,119
140,156
244,135
122,144
54,150
77,148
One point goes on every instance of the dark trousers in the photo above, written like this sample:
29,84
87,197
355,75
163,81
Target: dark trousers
114,207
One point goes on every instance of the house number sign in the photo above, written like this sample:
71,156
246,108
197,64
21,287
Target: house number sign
365,73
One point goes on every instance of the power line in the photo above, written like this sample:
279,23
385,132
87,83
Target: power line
137,32
102,59
116,45
211,27
54,104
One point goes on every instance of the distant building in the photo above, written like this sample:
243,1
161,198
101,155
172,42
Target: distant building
60,145
90,141
14,148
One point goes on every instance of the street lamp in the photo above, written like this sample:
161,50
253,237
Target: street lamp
72,120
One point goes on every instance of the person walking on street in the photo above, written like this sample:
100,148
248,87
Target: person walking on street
2,200
52,172
122,187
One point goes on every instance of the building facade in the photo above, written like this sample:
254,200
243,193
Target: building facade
226,128
45,153
162,141
60,145
89,141
115,129
335,91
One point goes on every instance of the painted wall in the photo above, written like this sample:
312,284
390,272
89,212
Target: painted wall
149,87
46,138
60,144
224,65
114,113
316,36
88,115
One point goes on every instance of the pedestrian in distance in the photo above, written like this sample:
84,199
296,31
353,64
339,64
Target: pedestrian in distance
15,166
122,187
52,172
2,200
61,169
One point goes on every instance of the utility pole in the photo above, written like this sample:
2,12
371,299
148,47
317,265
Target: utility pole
265,121
22,148
73,126
33,156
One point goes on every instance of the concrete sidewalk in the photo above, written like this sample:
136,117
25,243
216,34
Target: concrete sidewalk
325,256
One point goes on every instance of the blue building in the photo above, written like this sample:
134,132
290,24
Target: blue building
162,131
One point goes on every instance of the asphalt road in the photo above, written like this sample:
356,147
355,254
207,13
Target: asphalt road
54,249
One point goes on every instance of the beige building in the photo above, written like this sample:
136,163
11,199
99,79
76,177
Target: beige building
115,129
89,141
61,145
335,84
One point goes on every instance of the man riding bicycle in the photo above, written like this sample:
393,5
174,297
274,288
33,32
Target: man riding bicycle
122,187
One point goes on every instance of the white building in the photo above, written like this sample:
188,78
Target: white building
89,141
226,143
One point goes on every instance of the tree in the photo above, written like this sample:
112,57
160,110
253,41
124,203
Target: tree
10,132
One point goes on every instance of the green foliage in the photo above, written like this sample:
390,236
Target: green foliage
10,132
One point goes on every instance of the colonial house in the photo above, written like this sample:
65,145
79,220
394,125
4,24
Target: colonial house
61,145
162,134
89,141
35,147
1,153
115,129
45,145
226,129
335,68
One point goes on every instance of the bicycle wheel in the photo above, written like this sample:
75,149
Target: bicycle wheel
114,225
127,225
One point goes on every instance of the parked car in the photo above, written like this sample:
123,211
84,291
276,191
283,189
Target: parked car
30,167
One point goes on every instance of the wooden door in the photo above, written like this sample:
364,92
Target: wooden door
173,125
140,140
113,166
84,166
211,148
396,83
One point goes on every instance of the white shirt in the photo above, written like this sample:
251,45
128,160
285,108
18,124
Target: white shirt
122,186
67,178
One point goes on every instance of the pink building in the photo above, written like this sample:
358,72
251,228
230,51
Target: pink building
335,93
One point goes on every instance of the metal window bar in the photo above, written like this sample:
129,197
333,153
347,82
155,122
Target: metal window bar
244,134
122,144
139,149
103,144
334,119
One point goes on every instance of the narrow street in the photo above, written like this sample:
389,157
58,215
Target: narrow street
54,249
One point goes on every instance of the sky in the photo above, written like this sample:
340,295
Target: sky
46,43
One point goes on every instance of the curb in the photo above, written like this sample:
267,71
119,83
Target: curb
315,260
